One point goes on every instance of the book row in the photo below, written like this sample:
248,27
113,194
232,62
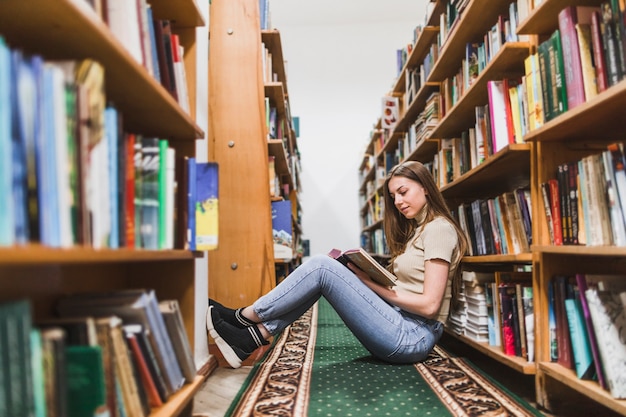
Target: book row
585,202
497,308
115,354
72,175
587,315
497,226
150,41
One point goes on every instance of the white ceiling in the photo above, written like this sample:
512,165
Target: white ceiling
344,12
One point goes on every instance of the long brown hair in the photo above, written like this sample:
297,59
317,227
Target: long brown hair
399,230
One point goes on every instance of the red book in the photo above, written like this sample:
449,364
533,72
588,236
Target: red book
602,81
146,378
568,17
555,200
129,203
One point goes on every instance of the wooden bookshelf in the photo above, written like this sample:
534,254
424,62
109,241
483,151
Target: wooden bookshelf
579,132
507,170
70,29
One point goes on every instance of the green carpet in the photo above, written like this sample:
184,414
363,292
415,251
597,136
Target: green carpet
317,368
348,381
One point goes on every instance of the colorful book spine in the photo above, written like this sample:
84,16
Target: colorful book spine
7,220
191,204
207,205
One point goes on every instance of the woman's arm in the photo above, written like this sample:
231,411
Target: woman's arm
427,304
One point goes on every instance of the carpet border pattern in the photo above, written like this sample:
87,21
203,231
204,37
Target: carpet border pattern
464,391
280,382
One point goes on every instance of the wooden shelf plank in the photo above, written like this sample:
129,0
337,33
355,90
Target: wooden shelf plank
543,19
37,255
181,13
516,363
179,400
471,26
581,122
50,28
589,389
507,170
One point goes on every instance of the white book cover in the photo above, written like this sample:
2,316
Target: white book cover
608,318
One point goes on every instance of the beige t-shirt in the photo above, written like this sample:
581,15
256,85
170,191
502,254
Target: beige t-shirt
436,240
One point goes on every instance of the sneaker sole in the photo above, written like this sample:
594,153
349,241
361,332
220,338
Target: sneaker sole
227,351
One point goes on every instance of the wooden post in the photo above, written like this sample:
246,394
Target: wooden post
242,268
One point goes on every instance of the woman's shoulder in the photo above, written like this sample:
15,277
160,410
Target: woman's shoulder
439,223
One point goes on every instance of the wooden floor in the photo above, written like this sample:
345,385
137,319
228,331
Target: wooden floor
222,385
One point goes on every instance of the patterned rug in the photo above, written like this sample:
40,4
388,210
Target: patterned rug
317,368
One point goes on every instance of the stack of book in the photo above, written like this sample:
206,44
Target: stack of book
476,327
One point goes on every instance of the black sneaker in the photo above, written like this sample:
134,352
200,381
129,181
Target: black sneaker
230,315
234,343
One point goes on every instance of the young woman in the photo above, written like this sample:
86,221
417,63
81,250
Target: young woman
399,324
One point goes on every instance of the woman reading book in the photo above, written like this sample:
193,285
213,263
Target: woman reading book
399,324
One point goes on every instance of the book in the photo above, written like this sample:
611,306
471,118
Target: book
207,206
581,281
105,341
608,317
143,377
555,54
568,17
7,237
583,33
140,335
149,196
581,348
176,330
602,82
190,236
85,381
364,261
132,306
53,346
282,229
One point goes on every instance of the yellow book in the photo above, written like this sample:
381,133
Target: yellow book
583,32
207,206
516,112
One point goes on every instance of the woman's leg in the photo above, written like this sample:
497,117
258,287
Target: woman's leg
384,330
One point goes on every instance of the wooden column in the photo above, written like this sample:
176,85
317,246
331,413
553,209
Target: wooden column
242,268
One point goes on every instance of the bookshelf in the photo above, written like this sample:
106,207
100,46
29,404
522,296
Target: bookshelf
244,265
585,130
582,131
71,29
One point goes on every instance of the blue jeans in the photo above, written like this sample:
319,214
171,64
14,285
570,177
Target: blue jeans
386,331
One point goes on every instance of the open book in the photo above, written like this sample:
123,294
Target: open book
365,262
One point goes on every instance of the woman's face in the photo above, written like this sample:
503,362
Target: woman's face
408,196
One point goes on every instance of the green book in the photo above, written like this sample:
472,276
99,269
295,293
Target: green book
85,381
557,65
163,145
547,80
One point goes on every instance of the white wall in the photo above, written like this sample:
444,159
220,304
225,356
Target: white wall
341,60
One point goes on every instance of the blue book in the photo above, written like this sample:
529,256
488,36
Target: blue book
206,206
7,221
48,190
282,231
583,361
191,203
111,130
19,74
153,45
